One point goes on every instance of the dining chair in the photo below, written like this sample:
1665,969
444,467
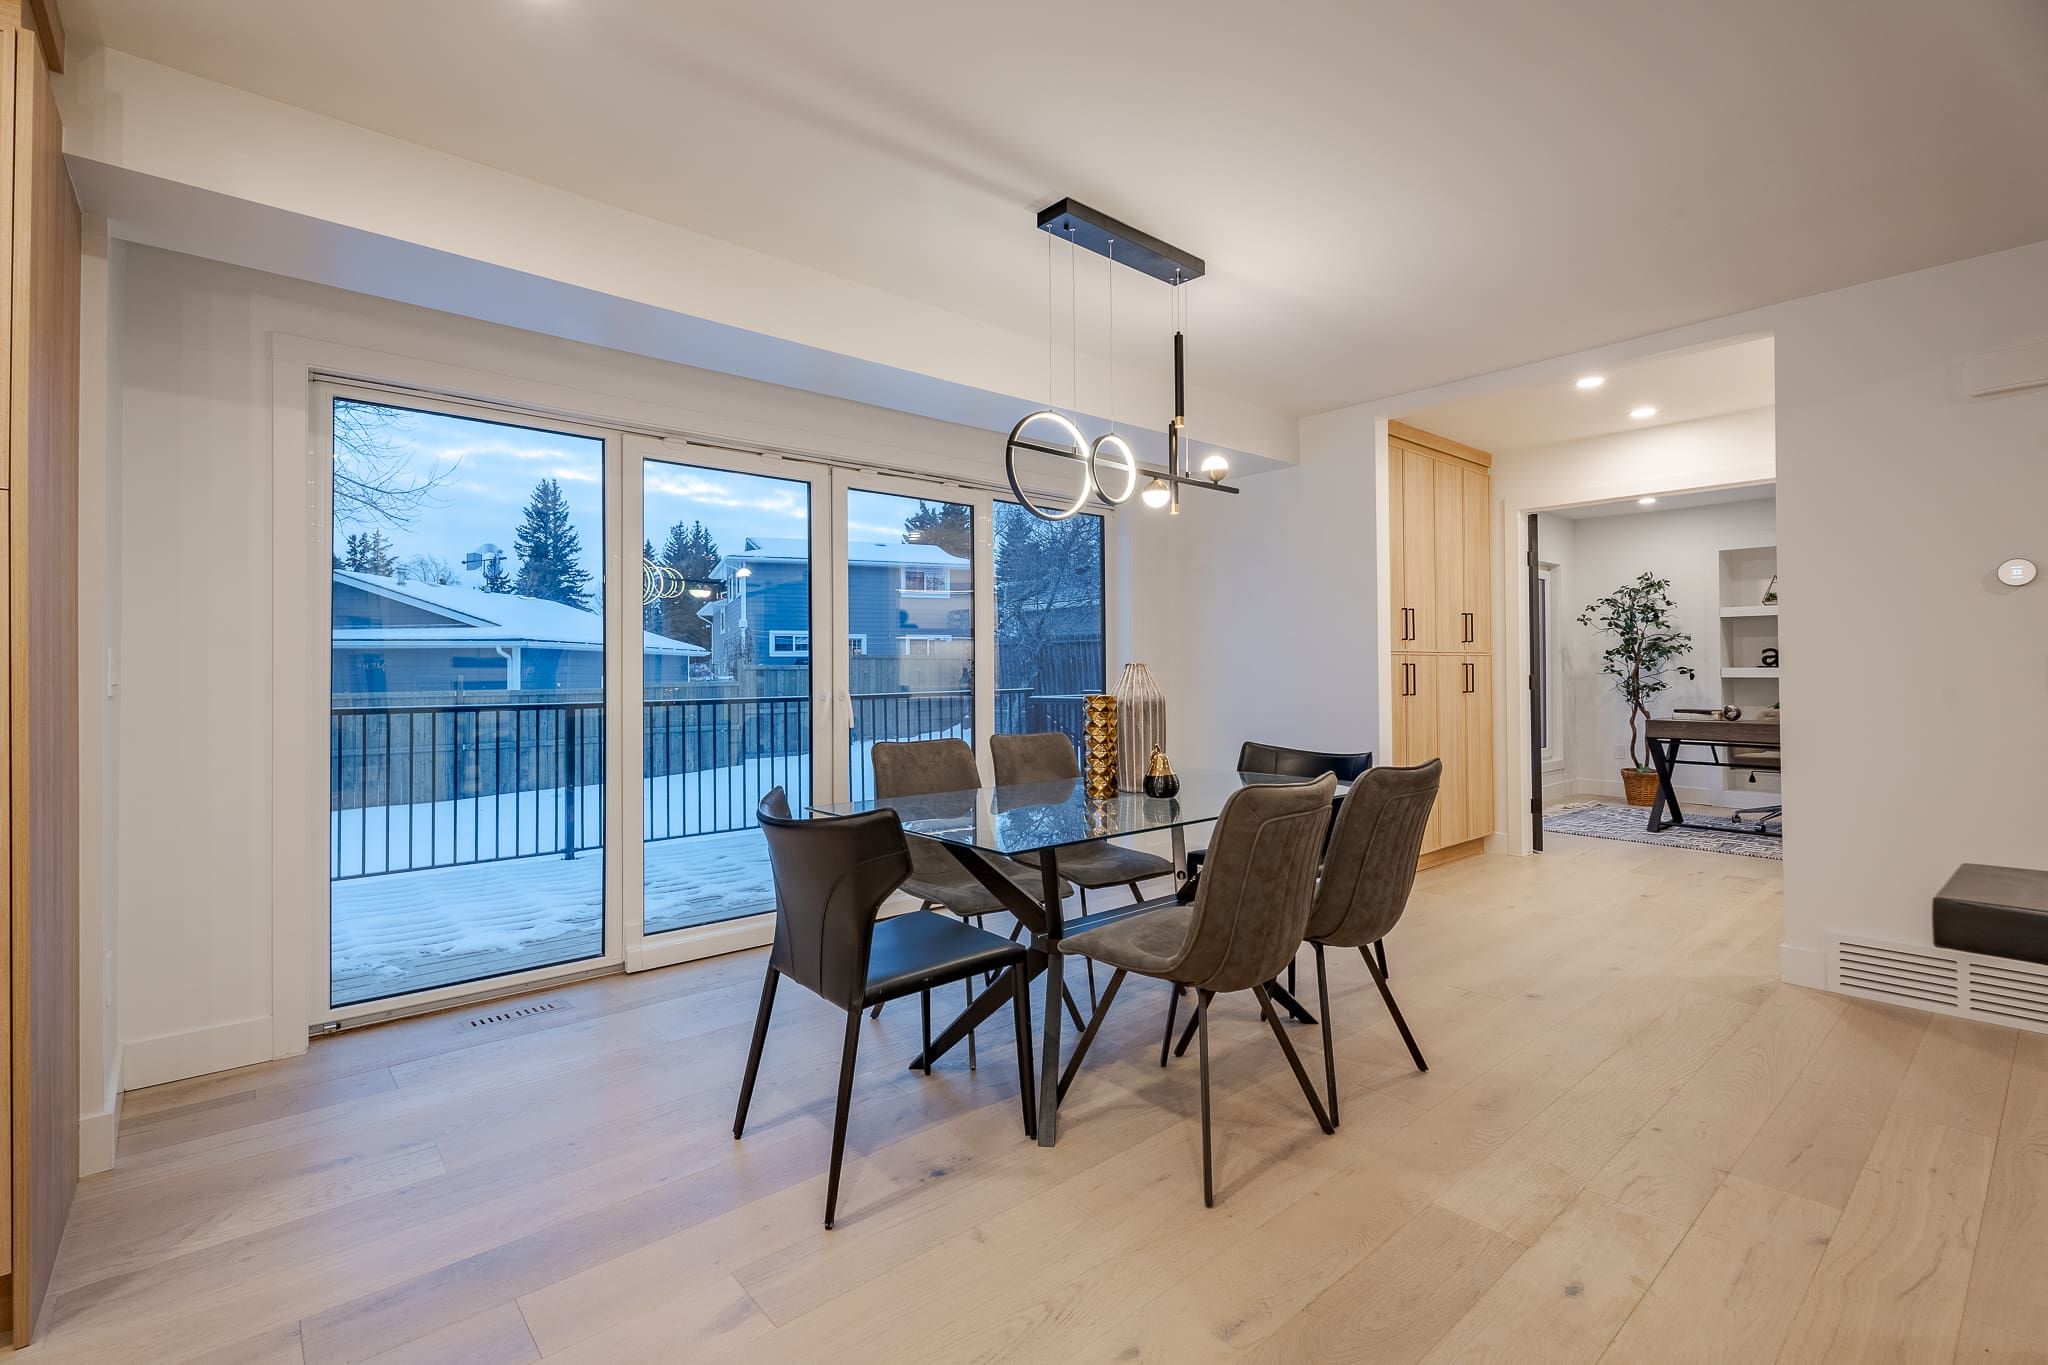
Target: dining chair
1050,757
1280,761
925,767
1245,922
1368,872
831,877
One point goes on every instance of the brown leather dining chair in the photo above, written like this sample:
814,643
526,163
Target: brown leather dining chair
1368,871
924,767
1050,757
1245,922
831,877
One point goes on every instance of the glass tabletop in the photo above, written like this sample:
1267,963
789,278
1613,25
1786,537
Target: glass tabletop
1033,816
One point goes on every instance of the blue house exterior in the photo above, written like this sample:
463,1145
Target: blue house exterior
425,638
903,601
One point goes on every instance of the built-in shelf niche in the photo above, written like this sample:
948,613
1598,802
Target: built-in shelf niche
1749,626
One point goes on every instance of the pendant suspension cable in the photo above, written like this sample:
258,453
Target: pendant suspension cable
1048,320
1073,324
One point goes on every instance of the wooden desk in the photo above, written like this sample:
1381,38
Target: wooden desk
1668,736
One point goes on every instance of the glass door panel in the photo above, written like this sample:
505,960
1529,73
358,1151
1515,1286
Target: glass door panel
727,684
466,766
1050,629
909,648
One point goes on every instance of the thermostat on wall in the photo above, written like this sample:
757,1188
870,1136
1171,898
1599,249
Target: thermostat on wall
2016,572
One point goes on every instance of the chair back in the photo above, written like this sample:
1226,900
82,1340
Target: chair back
831,877
1370,864
920,767
1022,759
1256,888
1254,757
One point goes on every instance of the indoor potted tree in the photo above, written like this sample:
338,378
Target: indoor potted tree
1646,645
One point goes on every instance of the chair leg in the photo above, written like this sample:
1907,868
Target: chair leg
1308,1089
1020,1008
924,1013
1379,979
1290,976
1208,1168
1172,1007
966,984
739,1118
846,1058
1094,1003
1329,1044
1187,1035
1136,894
1087,1038
1073,1007
1379,949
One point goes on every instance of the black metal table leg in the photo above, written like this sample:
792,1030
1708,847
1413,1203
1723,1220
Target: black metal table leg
1664,757
1284,998
1055,986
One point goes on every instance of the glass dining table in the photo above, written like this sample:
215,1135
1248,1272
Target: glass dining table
1042,818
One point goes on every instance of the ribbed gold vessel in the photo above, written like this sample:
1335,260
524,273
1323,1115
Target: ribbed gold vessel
1098,748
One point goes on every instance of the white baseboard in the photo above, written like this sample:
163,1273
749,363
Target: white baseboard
1799,966
175,1056
100,1128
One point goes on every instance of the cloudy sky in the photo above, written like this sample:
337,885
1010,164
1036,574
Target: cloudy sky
488,470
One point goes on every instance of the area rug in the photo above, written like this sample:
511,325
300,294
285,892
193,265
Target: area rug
1594,820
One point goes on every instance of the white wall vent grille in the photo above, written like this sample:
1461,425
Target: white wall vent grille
1996,989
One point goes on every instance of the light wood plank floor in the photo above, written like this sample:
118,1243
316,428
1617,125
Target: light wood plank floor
1634,1145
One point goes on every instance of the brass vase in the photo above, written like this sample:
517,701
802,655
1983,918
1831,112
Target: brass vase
1098,747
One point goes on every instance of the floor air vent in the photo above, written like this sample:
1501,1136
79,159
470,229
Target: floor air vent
1998,990
503,1016
1900,974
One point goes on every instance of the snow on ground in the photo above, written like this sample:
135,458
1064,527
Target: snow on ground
399,932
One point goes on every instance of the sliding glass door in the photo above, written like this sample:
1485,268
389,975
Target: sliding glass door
733,655
467,697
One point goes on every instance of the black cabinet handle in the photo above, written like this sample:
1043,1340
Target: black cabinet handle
1471,624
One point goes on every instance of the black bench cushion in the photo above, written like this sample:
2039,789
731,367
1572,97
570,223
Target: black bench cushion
1995,911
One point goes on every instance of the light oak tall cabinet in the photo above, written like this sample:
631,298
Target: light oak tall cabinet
39,809
1440,500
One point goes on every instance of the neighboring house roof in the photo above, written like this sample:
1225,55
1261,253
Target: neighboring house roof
794,550
471,616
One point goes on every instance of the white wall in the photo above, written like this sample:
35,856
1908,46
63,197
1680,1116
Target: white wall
197,816
1682,545
1913,669
1275,625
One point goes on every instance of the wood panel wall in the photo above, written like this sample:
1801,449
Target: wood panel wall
42,566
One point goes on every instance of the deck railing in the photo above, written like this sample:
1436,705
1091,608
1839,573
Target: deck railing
425,786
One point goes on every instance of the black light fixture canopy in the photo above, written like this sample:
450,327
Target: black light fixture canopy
1141,251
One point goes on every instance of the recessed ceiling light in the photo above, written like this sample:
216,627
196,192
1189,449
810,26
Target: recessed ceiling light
1640,413
1644,502
1592,381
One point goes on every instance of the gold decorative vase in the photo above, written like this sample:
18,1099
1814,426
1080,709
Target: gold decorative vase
1098,747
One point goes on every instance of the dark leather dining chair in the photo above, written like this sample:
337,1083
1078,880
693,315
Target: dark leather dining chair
925,767
1050,757
1245,922
831,877
1368,872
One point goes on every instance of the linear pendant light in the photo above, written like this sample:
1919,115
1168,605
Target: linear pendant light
1110,470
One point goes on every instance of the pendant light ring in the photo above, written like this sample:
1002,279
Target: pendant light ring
1081,455
1123,461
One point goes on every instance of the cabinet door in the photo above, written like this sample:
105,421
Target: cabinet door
1475,746
1448,608
1476,542
1415,612
1419,716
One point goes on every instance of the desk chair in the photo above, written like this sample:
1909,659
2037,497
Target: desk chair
1766,760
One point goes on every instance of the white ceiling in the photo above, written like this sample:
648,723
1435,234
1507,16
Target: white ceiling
1670,502
1390,195
1683,388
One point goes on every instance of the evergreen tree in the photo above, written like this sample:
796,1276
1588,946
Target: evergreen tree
948,525
495,577
371,552
550,551
692,552
650,612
